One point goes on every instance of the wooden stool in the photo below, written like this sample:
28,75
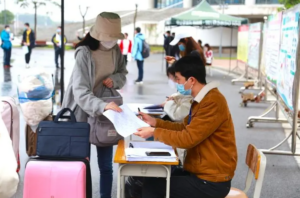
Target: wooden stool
256,161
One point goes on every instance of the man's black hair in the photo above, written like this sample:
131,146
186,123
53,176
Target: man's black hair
125,34
173,33
168,32
191,66
138,30
27,24
6,26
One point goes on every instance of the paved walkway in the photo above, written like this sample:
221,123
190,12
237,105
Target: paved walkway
282,172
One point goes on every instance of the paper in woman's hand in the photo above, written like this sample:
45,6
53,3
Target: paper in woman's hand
126,123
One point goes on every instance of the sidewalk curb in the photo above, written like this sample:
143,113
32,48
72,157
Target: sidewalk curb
225,70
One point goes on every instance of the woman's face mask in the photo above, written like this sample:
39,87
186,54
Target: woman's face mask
109,44
181,47
205,49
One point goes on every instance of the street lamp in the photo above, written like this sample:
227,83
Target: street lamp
222,6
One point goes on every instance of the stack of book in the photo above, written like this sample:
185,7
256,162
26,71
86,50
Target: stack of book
150,151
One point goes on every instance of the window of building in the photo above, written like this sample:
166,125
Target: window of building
166,3
217,2
267,2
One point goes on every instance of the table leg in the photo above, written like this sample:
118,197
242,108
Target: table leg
123,186
120,184
168,169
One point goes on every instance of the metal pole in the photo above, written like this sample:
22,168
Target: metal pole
230,49
296,98
259,56
221,35
163,52
62,87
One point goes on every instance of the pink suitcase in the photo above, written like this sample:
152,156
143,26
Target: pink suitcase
11,117
55,179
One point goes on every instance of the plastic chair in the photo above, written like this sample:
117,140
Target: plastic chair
256,161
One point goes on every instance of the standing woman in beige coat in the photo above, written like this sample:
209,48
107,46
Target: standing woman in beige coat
99,65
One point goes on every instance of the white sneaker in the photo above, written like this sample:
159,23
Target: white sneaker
27,66
138,82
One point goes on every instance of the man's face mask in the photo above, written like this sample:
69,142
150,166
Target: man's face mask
7,29
181,89
109,44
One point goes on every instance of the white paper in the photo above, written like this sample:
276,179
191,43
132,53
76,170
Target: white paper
126,122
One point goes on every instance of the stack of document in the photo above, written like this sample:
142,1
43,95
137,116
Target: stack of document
137,152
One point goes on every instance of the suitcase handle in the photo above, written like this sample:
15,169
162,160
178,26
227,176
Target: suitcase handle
62,112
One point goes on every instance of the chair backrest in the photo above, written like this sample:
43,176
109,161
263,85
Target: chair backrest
256,161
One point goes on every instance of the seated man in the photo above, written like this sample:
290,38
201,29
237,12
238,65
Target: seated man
207,133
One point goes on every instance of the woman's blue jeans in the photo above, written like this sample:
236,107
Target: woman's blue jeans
105,155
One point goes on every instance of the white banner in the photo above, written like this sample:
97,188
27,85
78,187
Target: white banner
287,55
272,47
254,42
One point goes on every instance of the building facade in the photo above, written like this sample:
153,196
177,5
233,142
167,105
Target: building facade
255,10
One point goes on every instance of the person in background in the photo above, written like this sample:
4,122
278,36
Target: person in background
207,133
125,46
175,52
6,46
137,54
187,46
168,39
29,41
200,43
209,55
56,40
99,65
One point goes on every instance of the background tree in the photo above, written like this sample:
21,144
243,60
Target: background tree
83,19
36,4
9,17
289,3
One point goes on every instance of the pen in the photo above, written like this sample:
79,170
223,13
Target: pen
139,114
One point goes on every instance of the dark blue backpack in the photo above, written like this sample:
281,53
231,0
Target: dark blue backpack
146,49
